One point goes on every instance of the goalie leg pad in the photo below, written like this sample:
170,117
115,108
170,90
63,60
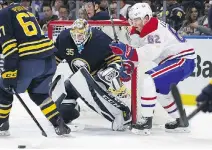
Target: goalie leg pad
65,99
97,99
69,110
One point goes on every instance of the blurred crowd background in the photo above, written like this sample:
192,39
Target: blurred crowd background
187,17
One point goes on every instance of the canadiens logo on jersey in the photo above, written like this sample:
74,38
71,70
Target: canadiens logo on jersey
69,51
78,63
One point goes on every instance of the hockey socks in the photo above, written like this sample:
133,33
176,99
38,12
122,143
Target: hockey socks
4,112
148,96
168,103
49,109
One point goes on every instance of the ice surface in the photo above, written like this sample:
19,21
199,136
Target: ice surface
98,134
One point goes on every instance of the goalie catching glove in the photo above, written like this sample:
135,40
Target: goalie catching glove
110,78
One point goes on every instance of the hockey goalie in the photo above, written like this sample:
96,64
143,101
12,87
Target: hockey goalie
95,69
155,41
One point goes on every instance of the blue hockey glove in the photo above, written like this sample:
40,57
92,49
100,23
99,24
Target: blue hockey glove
205,96
126,71
124,50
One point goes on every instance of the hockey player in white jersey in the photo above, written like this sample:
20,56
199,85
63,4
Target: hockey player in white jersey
155,41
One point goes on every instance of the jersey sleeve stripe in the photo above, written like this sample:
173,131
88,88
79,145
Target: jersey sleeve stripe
34,42
114,59
36,51
10,52
111,56
36,46
10,41
9,48
58,60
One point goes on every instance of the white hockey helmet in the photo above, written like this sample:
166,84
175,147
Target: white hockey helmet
140,10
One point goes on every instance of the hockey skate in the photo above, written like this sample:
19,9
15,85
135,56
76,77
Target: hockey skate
175,126
142,127
61,128
4,129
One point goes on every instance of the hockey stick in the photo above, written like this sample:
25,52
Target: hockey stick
196,111
29,112
176,94
177,98
112,23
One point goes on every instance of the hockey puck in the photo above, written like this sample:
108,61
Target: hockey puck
21,146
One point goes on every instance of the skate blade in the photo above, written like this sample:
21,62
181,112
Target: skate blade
141,132
76,128
178,130
4,133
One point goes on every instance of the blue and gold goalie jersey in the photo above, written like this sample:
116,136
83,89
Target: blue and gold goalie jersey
96,54
21,36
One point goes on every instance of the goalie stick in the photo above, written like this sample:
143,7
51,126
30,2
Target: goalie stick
177,98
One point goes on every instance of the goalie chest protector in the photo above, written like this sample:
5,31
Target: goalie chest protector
93,56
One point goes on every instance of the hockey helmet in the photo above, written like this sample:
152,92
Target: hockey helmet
140,10
80,32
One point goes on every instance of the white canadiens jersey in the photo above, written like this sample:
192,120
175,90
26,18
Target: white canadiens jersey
158,42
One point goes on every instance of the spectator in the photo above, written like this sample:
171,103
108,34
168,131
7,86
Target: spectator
192,14
4,4
104,5
48,16
72,9
94,12
26,4
202,24
113,9
63,13
57,4
175,14
210,15
1,6
124,9
82,14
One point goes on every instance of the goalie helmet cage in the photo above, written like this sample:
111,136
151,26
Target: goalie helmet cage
122,31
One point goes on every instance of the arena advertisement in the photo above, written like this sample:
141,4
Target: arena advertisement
202,74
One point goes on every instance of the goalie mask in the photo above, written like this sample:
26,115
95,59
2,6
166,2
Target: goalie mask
80,32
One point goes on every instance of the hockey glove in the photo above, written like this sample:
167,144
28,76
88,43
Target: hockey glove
126,70
110,78
125,51
9,79
205,96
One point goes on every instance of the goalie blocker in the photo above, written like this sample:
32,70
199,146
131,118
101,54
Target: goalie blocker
84,87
